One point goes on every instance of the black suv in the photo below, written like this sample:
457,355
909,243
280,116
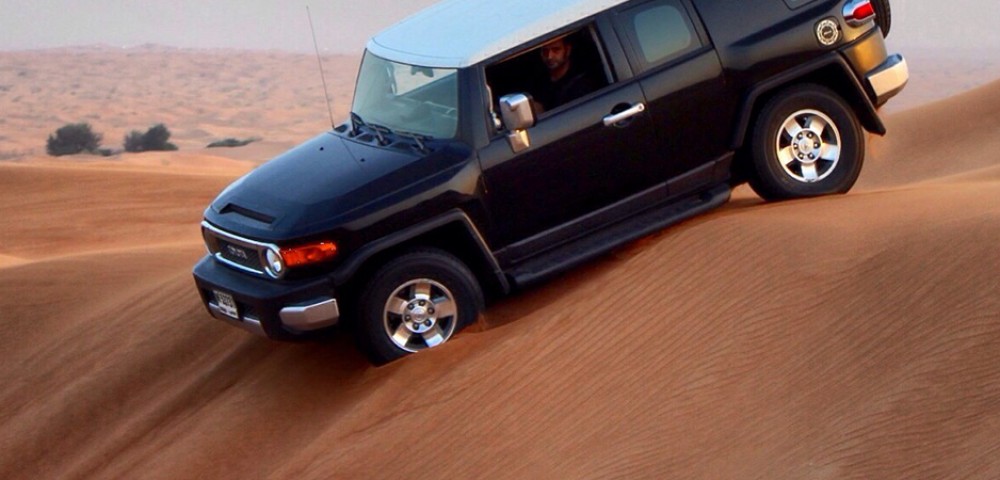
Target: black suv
494,144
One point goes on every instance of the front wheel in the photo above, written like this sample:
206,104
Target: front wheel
415,302
806,142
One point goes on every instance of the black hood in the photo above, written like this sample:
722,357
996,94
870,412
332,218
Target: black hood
320,185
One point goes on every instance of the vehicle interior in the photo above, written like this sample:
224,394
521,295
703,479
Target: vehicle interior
524,72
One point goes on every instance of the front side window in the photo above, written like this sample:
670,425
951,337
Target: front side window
555,72
407,98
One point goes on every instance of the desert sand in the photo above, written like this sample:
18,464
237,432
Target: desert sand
853,336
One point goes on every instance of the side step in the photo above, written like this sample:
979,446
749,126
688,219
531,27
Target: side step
579,251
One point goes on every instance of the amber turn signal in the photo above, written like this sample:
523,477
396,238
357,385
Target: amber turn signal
308,254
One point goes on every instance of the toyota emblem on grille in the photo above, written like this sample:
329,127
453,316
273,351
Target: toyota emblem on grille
237,252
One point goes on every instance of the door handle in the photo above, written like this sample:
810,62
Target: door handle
619,117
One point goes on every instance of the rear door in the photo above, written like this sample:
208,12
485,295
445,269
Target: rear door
691,106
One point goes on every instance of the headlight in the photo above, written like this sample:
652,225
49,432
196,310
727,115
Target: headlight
275,264
278,259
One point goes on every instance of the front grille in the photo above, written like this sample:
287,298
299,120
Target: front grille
235,251
245,256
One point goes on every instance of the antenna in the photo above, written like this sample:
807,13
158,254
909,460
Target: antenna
322,75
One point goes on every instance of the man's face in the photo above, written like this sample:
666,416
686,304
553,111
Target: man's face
555,54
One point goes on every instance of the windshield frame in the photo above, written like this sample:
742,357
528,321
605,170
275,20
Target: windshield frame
429,106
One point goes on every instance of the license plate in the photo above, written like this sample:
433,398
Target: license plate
226,303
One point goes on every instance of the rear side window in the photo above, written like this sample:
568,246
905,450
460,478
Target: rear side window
793,4
659,31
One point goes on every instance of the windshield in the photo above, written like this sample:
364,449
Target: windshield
407,98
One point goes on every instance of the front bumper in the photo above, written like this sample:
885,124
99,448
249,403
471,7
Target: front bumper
281,310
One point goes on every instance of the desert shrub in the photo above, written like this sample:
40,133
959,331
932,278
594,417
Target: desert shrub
73,138
232,142
155,139
133,141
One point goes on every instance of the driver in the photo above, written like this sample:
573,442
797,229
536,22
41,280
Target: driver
565,83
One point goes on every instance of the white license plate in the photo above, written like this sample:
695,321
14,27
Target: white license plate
226,303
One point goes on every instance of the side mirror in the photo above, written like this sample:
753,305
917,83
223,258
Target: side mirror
515,109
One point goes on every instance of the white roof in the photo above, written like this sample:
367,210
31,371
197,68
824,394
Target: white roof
459,33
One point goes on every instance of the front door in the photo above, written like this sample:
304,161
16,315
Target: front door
576,164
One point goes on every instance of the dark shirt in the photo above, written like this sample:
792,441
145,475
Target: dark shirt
571,86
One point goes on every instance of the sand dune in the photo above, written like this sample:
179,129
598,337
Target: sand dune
843,337
201,96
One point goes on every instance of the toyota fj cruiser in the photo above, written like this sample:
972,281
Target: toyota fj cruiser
494,144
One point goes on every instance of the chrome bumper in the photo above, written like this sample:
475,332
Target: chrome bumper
297,318
889,78
303,318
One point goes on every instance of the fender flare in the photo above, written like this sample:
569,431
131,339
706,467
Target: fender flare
353,264
855,94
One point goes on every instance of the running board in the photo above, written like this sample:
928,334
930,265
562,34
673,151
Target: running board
579,251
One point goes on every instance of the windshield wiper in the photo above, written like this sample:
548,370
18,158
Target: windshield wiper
420,139
381,131
356,122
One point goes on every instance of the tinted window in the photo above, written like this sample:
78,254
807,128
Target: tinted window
527,72
659,31
796,3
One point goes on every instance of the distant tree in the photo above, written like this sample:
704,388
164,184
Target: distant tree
133,141
72,139
155,139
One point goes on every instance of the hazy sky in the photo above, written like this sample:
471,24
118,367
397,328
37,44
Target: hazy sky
344,26
341,25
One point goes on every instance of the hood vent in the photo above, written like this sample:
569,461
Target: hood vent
246,212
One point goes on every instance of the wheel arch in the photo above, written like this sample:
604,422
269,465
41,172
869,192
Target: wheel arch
452,232
832,72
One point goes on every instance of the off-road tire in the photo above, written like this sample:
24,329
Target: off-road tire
806,142
416,301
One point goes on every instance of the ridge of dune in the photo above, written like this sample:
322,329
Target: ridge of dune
55,209
9,261
849,336
179,163
936,140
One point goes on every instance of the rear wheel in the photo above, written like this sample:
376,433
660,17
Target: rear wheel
415,302
806,142
883,15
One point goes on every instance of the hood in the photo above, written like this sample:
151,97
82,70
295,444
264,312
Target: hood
318,186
